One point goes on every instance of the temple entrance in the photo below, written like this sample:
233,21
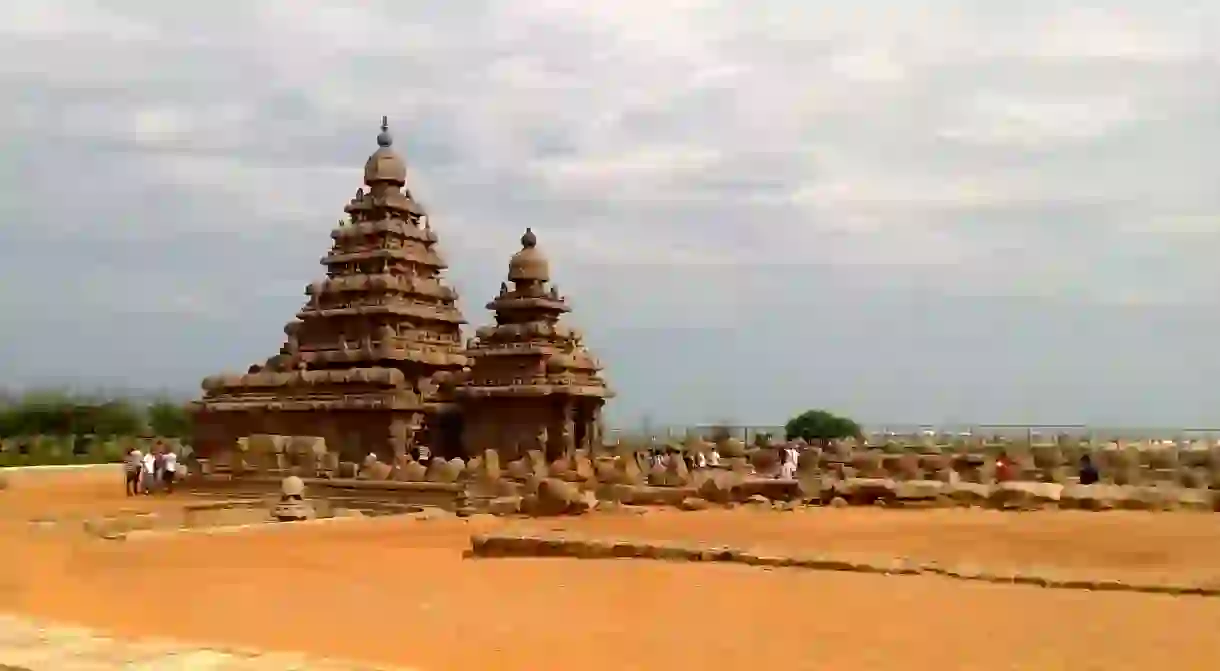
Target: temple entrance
447,438
583,417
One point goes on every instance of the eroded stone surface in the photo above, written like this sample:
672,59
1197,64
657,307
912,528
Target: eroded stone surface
26,645
518,545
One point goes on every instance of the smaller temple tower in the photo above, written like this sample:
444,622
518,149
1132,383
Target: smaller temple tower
531,383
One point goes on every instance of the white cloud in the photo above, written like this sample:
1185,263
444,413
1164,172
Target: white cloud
981,149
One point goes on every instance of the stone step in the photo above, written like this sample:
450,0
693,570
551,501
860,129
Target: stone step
26,645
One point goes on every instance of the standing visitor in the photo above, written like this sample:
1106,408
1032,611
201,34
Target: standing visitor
1088,471
787,467
713,458
133,464
158,463
1003,467
147,472
169,470
701,460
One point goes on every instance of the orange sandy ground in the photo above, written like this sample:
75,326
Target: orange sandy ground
397,591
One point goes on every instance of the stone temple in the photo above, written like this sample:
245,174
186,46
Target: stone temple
532,384
374,361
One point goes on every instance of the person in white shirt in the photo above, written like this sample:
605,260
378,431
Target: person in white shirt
700,460
132,466
169,470
147,472
787,469
713,458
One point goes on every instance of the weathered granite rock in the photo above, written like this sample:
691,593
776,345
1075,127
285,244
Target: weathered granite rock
519,469
865,491
376,470
583,466
1023,495
504,505
968,494
773,489
920,491
558,497
694,503
720,487
412,471
537,464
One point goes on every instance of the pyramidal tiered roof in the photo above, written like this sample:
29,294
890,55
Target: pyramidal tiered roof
381,319
528,352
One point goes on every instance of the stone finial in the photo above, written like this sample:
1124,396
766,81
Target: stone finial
528,239
384,139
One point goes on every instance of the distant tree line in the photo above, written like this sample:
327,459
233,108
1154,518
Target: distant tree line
46,413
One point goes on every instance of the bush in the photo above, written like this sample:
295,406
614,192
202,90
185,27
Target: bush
58,414
169,419
821,426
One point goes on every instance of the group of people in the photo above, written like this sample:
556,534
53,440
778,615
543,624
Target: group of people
149,471
662,456
1006,469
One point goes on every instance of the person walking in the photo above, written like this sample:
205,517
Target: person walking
133,464
158,463
1088,471
148,464
787,467
169,470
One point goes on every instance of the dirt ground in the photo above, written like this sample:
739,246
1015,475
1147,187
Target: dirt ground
397,591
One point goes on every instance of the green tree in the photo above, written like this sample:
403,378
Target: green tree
820,426
169,419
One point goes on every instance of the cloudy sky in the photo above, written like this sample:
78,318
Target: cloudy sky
910,212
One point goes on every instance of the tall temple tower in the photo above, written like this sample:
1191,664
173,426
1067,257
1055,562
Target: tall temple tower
531,384
367,363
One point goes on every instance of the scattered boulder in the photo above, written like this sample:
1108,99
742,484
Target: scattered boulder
968,494
719,488
504,505
694,503
1025,495
375,469
865,491
519,469
558,497
583,466
347,469
411,471
443,471
758,500
537,464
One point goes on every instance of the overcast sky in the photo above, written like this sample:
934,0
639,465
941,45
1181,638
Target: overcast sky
910,212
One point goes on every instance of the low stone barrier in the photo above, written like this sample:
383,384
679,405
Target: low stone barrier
511,545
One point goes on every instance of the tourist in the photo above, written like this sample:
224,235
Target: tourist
132,466
787,466
701,460
1003,467
1088,471
713,458
169,470
158,463
148,466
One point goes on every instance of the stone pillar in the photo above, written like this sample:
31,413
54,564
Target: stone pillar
567,433
402,437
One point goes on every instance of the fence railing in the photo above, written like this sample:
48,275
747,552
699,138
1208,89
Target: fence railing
880,433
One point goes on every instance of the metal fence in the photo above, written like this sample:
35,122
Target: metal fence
1028,432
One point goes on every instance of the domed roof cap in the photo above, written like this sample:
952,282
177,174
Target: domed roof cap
529,264
385,165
